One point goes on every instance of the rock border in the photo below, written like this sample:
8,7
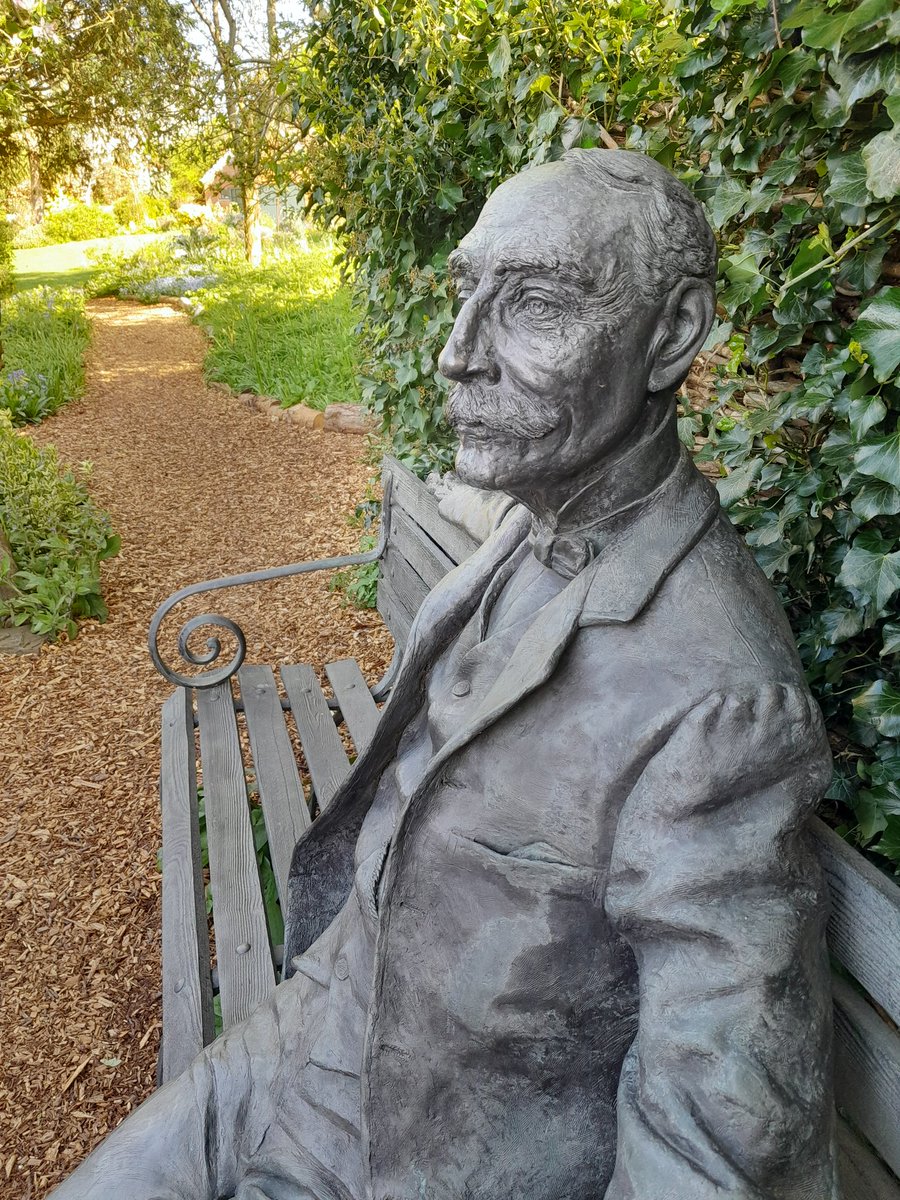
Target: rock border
335,418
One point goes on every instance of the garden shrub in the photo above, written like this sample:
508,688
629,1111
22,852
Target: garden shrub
45,333
6,257
129,210
784,118
195,253
57,536
78,223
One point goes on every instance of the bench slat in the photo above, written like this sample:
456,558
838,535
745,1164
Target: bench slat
246,975
407,585
864,922
429,560
280,791
862,1175
357,706
187,1003
412,495
322,746
393,611
867,1071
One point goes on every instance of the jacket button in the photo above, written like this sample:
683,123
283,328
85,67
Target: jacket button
342,968
461,688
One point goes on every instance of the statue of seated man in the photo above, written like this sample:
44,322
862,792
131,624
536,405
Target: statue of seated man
559,936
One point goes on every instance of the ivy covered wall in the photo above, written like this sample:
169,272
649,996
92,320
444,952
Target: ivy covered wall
785,120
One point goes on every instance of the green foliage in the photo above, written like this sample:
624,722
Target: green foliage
417,112
783,118
284,330
172,265
6,256
45,334
57,538
359,584
79,223
129,209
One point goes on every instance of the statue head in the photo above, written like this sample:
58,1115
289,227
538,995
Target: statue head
586,290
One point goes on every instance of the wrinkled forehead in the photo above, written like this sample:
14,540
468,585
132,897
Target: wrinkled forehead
548,220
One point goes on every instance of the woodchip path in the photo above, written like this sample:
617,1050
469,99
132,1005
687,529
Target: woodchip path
197,485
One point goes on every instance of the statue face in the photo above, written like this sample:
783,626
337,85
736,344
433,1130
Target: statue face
550,354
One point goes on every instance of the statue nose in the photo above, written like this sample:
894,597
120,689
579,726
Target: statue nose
467,354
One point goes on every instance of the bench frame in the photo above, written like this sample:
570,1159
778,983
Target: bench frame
246,738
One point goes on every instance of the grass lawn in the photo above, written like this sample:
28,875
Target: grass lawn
68,264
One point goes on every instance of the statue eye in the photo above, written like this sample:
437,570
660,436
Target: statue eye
536,305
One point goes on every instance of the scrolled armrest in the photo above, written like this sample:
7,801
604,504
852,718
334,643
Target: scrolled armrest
219,674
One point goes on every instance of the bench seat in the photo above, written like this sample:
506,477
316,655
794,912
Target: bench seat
256,734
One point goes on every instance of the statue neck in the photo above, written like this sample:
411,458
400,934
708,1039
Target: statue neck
634,469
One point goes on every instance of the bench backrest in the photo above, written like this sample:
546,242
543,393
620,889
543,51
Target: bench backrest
422,547
864,924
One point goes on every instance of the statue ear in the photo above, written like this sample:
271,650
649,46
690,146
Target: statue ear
684,323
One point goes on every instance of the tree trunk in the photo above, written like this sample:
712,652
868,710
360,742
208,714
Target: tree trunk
252,224
34,173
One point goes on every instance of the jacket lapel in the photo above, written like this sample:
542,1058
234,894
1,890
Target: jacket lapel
614,588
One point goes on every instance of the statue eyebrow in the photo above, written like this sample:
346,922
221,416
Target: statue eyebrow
567,272
460,263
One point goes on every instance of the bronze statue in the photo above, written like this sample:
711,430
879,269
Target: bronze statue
560,934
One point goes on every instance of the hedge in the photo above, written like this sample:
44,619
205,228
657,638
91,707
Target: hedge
784,118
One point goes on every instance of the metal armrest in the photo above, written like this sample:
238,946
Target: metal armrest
205,679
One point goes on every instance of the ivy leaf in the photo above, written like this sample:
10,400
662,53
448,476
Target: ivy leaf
727,200
699,62
889,843
824,30
865,411
871,570
880,705
827,109
882,161
878,332
848,179
863,75
880,458
500,57
890,638
876,500
738,482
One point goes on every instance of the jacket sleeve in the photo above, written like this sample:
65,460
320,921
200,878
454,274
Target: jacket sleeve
726,1089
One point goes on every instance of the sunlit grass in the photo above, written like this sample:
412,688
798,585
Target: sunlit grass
68,264
284,330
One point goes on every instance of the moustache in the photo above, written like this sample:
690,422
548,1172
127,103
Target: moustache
498,410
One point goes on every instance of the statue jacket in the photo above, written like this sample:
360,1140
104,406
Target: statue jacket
600,968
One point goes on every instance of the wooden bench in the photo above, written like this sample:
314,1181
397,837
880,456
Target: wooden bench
241,736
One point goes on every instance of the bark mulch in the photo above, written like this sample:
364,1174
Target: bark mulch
198,485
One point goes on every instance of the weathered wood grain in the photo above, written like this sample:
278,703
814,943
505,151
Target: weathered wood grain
352,693
408,586
393,611
243,952
864,923
281,794
414,496
186,985
322,746
867,1071
428,560
863,1177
